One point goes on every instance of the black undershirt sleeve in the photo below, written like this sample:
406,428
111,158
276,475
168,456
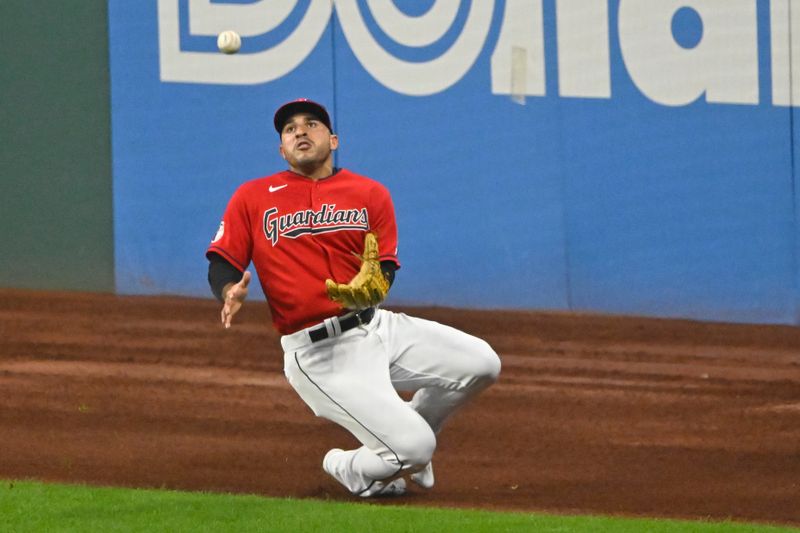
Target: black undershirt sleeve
388,268
220,273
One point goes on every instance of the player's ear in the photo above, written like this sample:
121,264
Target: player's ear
282,152
334,141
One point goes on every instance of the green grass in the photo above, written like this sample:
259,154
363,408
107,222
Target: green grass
31,506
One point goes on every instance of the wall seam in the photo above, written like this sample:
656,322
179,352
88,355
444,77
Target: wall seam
793,176
335,89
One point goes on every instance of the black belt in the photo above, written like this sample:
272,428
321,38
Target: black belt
345,323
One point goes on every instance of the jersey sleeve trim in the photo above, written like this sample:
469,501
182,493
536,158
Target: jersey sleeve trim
389,257
226,256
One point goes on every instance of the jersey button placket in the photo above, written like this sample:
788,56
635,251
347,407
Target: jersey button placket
316,197
316,201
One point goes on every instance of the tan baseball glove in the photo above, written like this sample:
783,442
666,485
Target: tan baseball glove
369,287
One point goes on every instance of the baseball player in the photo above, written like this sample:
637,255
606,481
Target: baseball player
323,241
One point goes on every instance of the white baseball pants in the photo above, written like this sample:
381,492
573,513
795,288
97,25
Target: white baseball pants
352,379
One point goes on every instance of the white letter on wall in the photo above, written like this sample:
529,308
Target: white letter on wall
521,37
260,17
785,52
583,58
723,65
407,77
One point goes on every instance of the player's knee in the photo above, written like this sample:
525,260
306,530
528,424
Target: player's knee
415,448
487,366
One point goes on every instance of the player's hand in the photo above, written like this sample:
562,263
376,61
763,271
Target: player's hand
369,287
234,298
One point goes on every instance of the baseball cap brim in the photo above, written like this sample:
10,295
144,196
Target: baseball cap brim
301,105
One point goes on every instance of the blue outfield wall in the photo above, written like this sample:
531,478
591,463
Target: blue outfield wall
621,156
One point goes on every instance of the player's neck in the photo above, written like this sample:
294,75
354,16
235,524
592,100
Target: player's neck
316,172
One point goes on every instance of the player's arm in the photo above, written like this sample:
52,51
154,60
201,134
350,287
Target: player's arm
388,268
384,225
382,214
228,284
221,275
229,254
371,284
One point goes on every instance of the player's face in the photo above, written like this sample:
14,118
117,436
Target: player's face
307,143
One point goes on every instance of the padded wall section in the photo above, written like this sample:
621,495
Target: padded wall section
613,156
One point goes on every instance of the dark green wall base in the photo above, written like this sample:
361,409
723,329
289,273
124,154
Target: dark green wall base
55,147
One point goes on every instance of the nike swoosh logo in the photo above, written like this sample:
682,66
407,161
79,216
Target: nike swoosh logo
273,188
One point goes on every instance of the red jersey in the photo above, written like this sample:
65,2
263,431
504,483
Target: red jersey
299,232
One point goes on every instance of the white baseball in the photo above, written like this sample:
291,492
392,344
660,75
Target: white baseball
229,42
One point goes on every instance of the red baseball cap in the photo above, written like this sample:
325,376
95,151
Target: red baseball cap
301,105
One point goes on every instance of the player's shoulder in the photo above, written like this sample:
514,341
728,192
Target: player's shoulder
364,181
260,183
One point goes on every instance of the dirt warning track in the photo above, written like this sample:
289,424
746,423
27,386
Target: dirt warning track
592,414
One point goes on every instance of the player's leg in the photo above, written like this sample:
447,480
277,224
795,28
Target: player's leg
346,380
443,366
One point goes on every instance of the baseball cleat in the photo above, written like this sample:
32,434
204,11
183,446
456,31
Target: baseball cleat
328,465
396,487
424,478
